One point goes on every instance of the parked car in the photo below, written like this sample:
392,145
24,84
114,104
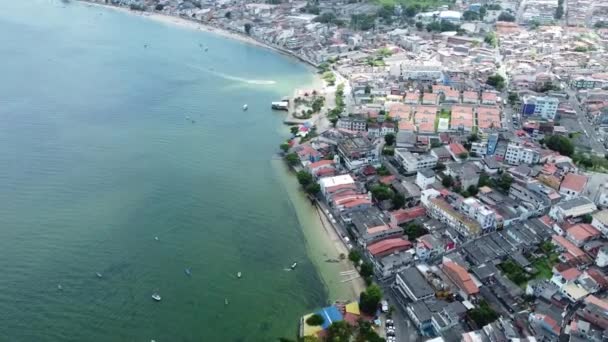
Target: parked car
384,306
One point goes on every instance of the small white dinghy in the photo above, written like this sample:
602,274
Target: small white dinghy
156,297
239,275
245,107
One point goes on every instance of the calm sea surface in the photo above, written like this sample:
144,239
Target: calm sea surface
99,154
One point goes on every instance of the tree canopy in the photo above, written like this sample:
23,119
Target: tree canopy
483,315
496,81
292,159
389,139
315,319
560,144
339,332
370,298
506,16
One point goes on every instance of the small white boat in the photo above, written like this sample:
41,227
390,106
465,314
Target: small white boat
59,287
245,107
99,275
156,238
239,275
293,266
225,301
156,297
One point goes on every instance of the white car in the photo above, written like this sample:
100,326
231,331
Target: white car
384,306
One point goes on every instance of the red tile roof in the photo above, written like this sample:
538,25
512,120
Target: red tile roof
388,246
582,232
575,182
570,274
457,148
460,276
320,163
387,179
591,299
489,97
405,215
568,246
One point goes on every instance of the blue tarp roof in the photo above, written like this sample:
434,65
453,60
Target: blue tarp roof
330,314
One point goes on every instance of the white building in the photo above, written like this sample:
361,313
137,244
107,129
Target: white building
328,182
474,209
601,197
413,162
352,124
517,154
425,178
602,257
543,106
427,71
600,221
479,148
575,207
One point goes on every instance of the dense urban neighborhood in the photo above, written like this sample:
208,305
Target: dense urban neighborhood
459,151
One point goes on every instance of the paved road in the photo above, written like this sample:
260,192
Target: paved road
586,126
404,329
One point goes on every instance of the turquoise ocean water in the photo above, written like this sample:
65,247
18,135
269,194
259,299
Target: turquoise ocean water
98,155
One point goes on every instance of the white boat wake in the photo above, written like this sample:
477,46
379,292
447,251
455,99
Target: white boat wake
234,78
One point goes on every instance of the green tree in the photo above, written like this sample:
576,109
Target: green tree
367,270
383,171
559,12
447,181
159,7
312,188
505,182
304,178
440,166
463,155
354,256
381,192
482,12
362,22
419,26
228,15
505,16
483,315
339,332
366,332
496,81
587,218
292,159
370,298
248,27
470,15
285,147
491,39
398,201
411,11
389,139
560,144
472,190
315,319
414,230
512,98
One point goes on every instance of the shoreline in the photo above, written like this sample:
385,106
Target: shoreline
203,27
322,241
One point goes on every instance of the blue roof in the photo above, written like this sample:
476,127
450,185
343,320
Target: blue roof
330,314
